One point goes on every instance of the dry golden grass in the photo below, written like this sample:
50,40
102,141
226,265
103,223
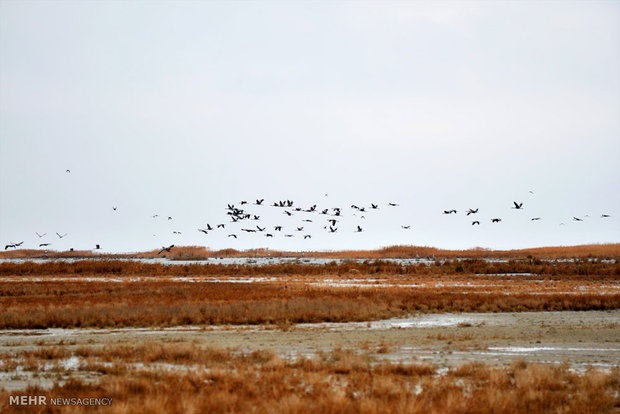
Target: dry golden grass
611,251
200,380
32,303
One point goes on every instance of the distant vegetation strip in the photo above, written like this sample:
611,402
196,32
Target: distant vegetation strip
578,267
611,251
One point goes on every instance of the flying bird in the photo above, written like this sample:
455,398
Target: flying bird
40,235
392,204
60,235
535,218
359,229
496,220
278,228
97,247
44,244
220,226
518,206
449,212
259,202
406,227
577,219
167,249
114,208
471,211
475,222
68,171
307,236
203,231
605,215
232,235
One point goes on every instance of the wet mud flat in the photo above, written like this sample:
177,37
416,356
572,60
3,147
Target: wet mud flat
580,339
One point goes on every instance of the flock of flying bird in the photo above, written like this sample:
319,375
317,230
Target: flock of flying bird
330,218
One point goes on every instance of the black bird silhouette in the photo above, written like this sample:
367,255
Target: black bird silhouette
203,231
535,218
392,204
288,213
209,227
155,215
68,171
40,235
243,202
169,218
471,211
605,215
288,235
332,229
332,221
44,244
256,217
278,228
268,235
249,230
374,206
232,235
496,220
307,236
260,229
577,219
518,206
9,246
60,235
176,232
220,226
475,222
405,227
166,249
324,211
307,220
97,247
259,202
114,208
449,211
300,229
359,229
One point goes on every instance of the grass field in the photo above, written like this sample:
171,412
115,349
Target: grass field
192,376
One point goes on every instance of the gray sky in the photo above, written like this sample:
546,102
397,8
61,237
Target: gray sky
179,108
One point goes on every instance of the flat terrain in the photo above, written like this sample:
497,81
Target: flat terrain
470,335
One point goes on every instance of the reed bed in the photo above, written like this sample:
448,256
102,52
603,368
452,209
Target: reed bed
45,304
609,251
188,378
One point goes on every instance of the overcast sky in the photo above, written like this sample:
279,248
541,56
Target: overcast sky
180,108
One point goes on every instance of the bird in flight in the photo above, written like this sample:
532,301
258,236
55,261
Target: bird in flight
475,222
167,249
203,231
259,202
535,218
605,215
406,227
232,235
449,212
61,236
68,171
392,204
307,236
40,235
97,247
577,219
472,211
114,208
44,244
359,229
496,220
518,206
